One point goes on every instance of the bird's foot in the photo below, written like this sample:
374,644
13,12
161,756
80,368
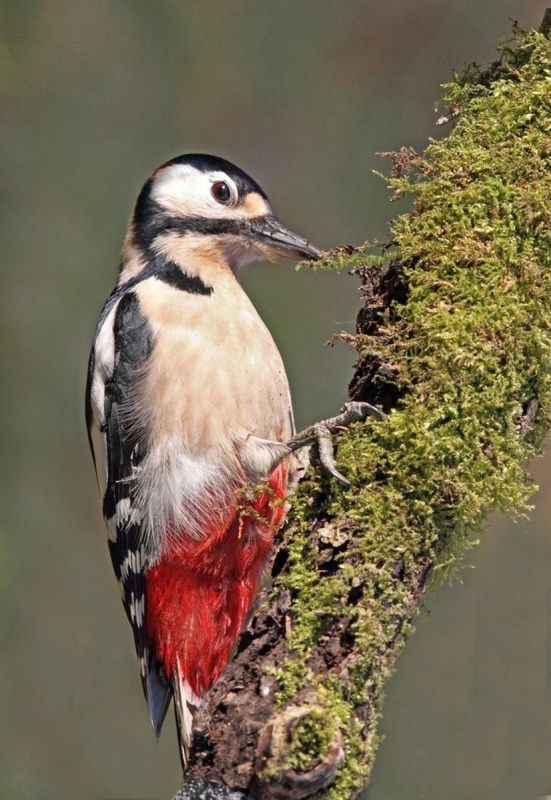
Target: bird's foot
322,434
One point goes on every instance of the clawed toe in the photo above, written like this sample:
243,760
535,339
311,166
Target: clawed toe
355,411
324,441
321,434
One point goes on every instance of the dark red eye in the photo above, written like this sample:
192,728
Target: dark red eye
221,191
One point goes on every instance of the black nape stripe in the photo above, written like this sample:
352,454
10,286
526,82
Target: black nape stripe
163,269
169,272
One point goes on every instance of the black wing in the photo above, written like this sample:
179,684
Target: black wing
124,452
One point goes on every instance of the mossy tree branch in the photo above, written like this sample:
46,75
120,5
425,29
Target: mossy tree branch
454,342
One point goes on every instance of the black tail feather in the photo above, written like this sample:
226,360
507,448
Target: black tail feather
158,692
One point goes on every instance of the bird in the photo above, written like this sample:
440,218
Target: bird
190,424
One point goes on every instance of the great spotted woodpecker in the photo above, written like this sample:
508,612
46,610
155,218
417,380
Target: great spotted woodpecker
191,426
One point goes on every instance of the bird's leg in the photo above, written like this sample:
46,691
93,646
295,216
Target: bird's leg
259,457
321,434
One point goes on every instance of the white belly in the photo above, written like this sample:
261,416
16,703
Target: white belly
215,377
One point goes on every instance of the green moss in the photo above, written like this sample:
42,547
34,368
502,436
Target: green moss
312,736
471,347
344,257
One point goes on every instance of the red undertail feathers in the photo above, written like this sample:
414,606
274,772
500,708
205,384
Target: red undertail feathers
198,596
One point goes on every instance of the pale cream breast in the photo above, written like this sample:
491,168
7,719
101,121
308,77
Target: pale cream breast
230,379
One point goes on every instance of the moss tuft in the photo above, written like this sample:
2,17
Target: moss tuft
468,349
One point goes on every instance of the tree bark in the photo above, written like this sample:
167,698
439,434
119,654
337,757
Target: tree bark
454,344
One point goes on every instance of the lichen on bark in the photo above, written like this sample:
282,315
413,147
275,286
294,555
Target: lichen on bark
454,343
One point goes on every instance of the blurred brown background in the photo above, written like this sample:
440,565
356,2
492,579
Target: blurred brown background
94,95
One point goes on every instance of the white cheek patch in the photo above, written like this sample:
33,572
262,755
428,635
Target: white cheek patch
184,191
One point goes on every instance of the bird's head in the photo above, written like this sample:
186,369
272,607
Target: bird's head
212,208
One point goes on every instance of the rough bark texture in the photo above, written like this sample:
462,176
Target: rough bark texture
454,344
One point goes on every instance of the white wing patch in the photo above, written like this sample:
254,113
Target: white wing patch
127,512
134,561
143,662
104,359
137,609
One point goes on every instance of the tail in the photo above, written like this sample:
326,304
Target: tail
157,689
186,704
159,692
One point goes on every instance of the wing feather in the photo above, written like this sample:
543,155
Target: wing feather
121,348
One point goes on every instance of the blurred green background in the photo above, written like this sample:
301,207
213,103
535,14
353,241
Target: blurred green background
94,95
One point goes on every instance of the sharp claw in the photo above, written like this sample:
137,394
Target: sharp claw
361,410
373,411
337,475
320,433
325,450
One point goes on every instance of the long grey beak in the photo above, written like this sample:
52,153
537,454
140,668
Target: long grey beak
283,242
